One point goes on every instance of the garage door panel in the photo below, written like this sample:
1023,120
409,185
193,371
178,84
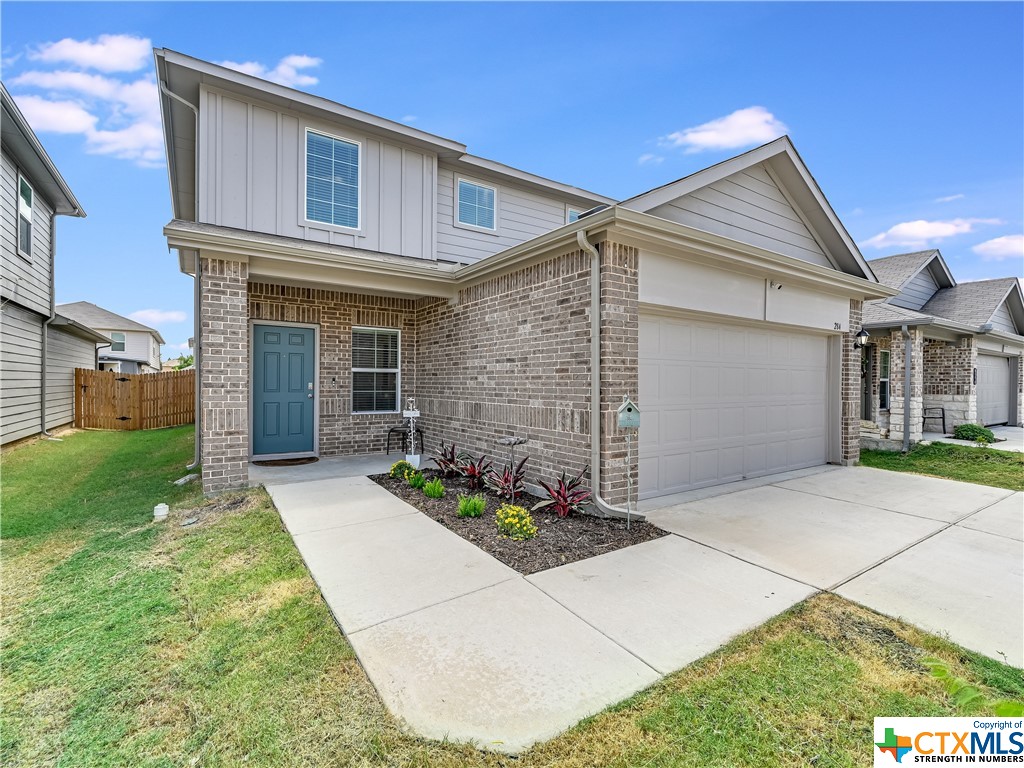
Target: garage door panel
993,389
731,402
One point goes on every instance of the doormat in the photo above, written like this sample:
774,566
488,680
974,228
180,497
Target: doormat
286,462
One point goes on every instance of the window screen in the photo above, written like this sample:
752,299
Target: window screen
476,205
332,180
375,370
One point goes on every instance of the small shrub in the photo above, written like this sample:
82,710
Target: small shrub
449,460
973,432
507,484
401,470
566,496
472,506
515,522
416,480
434,489
476,471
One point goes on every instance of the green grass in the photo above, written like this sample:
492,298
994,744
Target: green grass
984,466
133,643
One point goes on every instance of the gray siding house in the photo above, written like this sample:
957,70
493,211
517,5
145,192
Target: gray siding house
128,346
964,341
39,348
344,262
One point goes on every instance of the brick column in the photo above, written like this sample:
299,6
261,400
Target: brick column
224,374
949,381
896,375
620,333
849,428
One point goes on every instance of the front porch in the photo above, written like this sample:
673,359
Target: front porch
327,468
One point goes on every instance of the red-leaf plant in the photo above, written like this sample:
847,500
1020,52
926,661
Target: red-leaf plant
476,471
449,460
566,496
508,483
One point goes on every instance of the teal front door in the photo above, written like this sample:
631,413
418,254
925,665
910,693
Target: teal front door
283,389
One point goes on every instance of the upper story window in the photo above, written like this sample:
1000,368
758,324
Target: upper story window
332,180
116,341
476,204
26,199
571,215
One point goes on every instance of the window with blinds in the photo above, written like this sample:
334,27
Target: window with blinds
476,204
375,370
332,180
25,204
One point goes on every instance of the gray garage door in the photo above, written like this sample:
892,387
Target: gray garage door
725,402
993,389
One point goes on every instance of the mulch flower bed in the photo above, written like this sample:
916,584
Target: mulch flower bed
559,540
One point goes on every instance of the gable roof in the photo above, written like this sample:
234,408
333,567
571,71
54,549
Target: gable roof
87,313
899,269
793,177
21,141
975,303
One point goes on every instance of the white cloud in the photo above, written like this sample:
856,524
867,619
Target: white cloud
1000,248
742,128
949,198
285,73
649,159
409,118
921,233
56,116
181,347
116,117
107,53
156,316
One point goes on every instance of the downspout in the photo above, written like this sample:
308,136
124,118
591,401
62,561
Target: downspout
46,326
595,378
908,351
197,292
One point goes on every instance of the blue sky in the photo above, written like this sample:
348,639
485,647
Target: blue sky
910,115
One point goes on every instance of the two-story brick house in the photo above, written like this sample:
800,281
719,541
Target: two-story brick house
345,262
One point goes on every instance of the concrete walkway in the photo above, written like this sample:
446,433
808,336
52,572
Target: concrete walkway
460,646
1011,439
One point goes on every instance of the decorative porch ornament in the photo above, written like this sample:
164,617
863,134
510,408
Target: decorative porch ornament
411,413
629,420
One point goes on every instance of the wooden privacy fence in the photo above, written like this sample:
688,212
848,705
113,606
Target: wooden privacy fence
108,400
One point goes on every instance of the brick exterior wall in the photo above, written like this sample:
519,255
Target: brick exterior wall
340,431
896,376
878,415
511,355
949,381
224,375
850,407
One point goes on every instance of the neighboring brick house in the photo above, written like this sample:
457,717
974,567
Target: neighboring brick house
345,262
967,345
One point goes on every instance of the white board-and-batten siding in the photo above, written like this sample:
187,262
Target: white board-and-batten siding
25,281
1003,321
252,160
917,292
747,206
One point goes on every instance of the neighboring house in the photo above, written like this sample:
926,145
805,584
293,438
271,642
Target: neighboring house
130,346
39,349
345,263
965,343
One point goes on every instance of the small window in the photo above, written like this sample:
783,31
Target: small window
883,379
476,204
572,215
375,370
332,180
116,342
26,199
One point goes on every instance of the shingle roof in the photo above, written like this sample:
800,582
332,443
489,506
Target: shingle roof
87,313
969,303
881,312
895,271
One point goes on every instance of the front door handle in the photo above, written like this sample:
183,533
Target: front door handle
310,395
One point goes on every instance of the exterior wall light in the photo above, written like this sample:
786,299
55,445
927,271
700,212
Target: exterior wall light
861,339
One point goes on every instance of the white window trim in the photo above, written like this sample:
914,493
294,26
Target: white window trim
887,380
359,191
27,255
397,371
497,205
123,342
568,210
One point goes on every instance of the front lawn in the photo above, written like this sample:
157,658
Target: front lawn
133,643
984,466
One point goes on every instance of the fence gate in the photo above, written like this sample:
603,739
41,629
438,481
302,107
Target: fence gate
110,400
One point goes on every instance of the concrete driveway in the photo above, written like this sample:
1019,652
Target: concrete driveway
943,555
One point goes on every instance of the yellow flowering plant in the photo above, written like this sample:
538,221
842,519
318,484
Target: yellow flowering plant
515,522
